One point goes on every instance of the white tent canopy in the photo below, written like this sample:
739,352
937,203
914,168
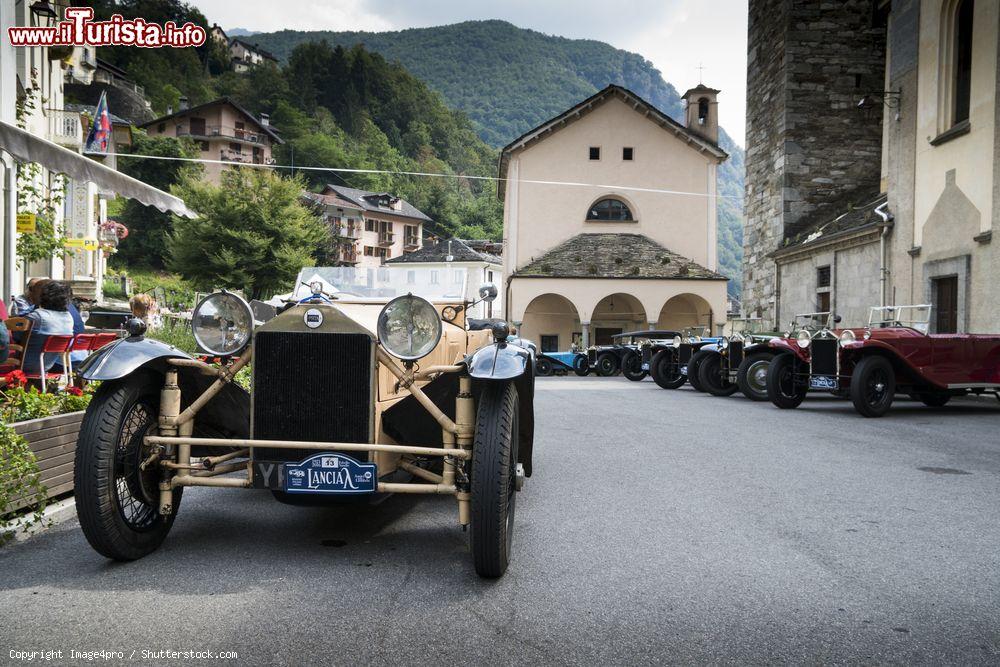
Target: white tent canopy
29,148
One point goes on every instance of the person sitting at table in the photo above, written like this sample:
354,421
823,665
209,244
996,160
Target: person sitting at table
49,318
22,305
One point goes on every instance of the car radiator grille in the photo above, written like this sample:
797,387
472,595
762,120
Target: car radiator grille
312,386
735,354
684,354
647,354
592,357
824,356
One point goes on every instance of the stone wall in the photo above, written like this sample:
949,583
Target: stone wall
809,149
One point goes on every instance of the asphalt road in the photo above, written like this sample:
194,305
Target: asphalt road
659,527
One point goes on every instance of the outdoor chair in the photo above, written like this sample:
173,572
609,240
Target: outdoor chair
54,344
15,359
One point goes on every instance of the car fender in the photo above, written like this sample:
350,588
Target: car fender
779,345
710,347
499,361
127,355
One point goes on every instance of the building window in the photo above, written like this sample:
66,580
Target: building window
162,127
823,302
963,60
823,276
411,277
610,209
595,152
550,343
627,153
703,111
370,226
434,277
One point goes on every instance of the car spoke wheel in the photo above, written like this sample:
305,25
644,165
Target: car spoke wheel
785,387
665,371
693,369
710,376
581,366
873,386
494,479
607,365
752,376
632,367
118,503
543,367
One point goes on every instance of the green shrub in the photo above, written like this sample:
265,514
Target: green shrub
177,333
20,484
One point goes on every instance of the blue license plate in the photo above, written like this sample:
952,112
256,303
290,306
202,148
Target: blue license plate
645,367
330,473
822,382
684,369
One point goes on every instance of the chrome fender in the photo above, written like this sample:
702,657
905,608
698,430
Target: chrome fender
122,357
499,361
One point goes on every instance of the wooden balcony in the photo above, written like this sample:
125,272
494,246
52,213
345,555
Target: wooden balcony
386,238
411,242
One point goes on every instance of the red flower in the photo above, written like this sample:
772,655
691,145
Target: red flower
76,391
15,379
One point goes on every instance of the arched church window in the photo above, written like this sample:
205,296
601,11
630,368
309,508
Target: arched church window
963,59
703,110
610,209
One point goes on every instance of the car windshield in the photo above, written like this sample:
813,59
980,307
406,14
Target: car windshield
812,321
746,325
914,317
387,282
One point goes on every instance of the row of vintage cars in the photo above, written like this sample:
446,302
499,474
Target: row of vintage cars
893,354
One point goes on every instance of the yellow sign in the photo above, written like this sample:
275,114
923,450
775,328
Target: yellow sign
25,222
83,244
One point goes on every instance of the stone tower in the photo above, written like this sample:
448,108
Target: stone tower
809,149
703,111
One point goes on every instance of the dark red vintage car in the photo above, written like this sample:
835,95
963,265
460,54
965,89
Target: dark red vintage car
893,354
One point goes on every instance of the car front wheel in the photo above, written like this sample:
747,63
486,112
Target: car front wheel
632,367
581,366
607,365
710,376
494,479
694,368
665,371
543,367
873,385
752,376
783,387
117,502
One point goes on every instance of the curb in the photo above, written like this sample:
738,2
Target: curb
54,514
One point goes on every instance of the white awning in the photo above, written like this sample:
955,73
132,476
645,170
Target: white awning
29,148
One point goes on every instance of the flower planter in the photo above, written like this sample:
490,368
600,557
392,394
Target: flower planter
53,441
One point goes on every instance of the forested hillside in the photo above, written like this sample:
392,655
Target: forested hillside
509,80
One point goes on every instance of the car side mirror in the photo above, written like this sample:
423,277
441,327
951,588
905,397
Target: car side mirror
488,292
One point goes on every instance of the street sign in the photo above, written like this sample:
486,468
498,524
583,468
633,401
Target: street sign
25,223
81,244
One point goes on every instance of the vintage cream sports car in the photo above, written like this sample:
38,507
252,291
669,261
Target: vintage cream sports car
367,382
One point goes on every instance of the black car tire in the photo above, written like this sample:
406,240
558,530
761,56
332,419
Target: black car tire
109,450
664,370
752,376
934,399
543,367
607,364
782,388
710,377
581,366
693,378
632,367
494,470
873,386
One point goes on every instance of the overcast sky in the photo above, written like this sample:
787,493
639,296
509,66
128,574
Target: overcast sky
676,35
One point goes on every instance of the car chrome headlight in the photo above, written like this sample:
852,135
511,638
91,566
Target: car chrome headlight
803,339
409,327
847,336
724,343
222,324
677,341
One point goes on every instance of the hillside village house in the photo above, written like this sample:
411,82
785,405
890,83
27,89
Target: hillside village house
246,55
222,130
585,262
444,257
887,189
369,227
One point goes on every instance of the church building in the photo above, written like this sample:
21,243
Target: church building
610,221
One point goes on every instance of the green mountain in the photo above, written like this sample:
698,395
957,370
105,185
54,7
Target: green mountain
509,80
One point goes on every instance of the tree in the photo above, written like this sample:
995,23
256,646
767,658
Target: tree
149,229
253,233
